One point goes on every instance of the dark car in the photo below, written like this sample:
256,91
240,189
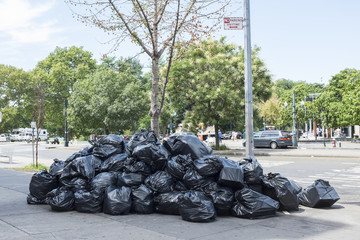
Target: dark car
272,139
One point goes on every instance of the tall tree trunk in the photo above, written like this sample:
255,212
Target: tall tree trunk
217,136
155,110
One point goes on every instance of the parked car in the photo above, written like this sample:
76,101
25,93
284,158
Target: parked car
272,139
226,135
4,137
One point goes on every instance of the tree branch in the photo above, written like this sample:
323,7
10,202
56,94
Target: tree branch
129,29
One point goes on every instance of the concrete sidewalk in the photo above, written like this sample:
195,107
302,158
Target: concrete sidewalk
18,220
305,149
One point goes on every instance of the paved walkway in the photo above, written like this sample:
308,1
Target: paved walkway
19,220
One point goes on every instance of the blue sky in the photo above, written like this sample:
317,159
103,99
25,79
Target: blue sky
308,40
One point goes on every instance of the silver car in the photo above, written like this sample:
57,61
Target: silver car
272,139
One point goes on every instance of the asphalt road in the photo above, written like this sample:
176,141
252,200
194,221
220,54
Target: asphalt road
342,173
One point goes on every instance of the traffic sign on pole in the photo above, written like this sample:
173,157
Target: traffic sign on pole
233,23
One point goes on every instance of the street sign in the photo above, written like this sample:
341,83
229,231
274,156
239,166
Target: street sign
33,124
233,23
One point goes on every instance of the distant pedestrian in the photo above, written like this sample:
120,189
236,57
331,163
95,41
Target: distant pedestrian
219,136
75,140
234,136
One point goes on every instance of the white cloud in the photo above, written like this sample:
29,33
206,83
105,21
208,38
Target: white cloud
21,20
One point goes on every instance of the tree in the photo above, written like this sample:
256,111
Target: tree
210,79
155,26
60,71
339,103
109,98
270,110
15,98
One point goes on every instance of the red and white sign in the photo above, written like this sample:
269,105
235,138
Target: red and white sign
233,23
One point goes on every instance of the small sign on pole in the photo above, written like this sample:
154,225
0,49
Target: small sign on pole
33,124
233,23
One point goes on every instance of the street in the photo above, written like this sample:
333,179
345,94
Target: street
19,220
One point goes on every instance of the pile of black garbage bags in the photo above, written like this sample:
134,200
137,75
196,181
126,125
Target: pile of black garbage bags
180,176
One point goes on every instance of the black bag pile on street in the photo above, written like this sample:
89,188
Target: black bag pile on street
179,177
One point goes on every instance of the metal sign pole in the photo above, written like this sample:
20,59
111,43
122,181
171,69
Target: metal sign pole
248,83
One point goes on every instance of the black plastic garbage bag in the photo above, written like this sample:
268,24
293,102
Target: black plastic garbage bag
114,140
33,200
139,138
160,159
130,179
190,144
88,201
56,167
117,200
296,186
222,197
104,151
208,165
61,199
251,204
160,182
256,187
231,175
138,167
196,207
102,181
194,181
319,194
114,163
154,155
82,153
284,191
84,167
180,186
252,170
178,165
41,183
142,200
168,203
75,184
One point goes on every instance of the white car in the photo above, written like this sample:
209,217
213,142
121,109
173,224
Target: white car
4,138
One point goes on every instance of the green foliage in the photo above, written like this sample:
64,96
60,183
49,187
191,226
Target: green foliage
16,100
209,82
60,71
108,99
339,103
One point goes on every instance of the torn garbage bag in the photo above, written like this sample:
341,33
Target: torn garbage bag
319,194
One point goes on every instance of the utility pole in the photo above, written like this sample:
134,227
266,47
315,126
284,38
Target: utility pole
66,124
294,137
248,82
